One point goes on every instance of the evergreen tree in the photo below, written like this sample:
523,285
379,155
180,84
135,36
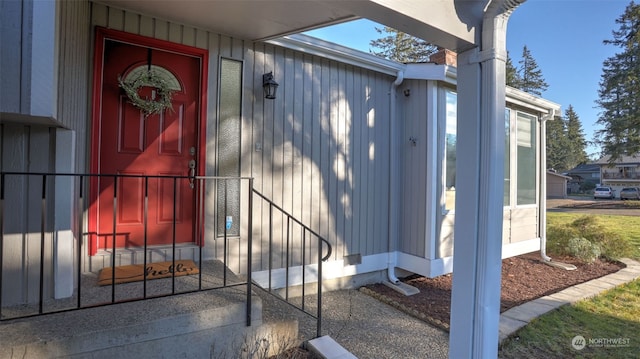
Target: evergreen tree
565,142
619,92
557,154
530,75
575,139
513,77
401,47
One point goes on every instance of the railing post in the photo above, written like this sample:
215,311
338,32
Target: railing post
224,237
43,224
2,180
80,214
173,242
145,220
304,263
319,315
249,250
270,244
286,280
113,248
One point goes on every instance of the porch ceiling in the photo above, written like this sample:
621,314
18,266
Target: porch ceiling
447,23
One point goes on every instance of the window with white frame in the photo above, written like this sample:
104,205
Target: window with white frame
507,158
449,165
520,142
526,155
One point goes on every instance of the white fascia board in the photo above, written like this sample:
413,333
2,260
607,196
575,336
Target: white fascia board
527,100
330,270
430,71
318,47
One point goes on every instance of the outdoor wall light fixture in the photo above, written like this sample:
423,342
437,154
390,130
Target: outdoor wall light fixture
270,86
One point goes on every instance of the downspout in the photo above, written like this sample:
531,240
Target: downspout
393,178
475,295
543,185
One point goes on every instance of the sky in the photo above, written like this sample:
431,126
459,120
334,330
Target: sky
565,37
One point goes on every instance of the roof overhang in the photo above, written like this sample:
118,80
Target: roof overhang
451,24
527,100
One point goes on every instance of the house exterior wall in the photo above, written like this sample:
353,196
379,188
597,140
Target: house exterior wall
37,129
319,150
428,211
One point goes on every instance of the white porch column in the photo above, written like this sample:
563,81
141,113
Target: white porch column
475,302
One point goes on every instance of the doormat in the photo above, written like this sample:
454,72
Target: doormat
136,272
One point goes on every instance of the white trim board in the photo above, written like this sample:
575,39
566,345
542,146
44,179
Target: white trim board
373,263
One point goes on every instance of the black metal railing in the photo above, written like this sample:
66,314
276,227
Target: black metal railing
299,252
19,187
30,202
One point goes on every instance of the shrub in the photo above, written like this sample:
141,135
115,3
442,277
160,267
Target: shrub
587,186
584,250
610,244
558,239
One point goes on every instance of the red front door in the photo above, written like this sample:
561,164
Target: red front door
146,152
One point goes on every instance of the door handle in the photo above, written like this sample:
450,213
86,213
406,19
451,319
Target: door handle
192,173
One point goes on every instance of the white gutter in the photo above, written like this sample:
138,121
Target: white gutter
314,46
394,171
543,185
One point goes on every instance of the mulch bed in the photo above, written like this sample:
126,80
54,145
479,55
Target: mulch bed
524,278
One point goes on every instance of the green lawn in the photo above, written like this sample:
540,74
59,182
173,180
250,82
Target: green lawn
627,226
609,323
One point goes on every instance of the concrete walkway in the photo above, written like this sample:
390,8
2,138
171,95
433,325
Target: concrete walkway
360,326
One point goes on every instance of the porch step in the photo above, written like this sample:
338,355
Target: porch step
195,325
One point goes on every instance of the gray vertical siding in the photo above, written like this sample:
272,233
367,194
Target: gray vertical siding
22,148
28,147
415,124
74,73
11,18
323,146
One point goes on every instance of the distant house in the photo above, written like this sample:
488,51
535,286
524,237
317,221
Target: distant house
625,172
556,185
583,174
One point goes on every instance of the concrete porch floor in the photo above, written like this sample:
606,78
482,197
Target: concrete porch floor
200,324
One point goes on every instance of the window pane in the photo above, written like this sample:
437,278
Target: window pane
450,150
229,146
507,157
526,157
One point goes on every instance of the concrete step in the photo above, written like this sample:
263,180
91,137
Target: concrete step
210,324
327,348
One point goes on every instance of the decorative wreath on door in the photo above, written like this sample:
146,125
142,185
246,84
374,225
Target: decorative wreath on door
149,106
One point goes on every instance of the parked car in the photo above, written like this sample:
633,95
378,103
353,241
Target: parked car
630,193
604,192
